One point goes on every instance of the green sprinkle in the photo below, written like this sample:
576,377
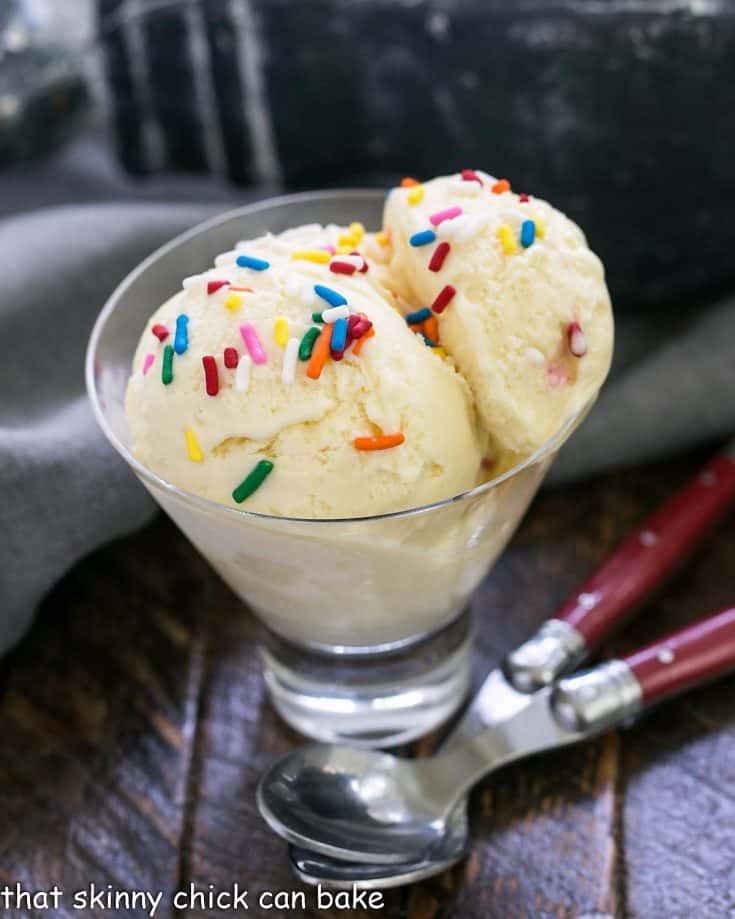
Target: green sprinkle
254,480
307,343
317,317
167,367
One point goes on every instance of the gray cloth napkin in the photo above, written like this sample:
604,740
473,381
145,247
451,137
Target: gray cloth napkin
63,491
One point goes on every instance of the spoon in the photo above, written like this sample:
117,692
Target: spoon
366,806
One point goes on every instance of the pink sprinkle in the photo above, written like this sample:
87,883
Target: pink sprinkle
576,339
214,286
252,343
328,248
231,358
449,214
556,376
147,362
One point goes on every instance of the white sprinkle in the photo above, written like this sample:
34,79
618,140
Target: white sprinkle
336,312
666,656
577,341
290,356
461,228
355,260
242,374
512,217
292,285
470,189
226,258
648,538
535,356
587,601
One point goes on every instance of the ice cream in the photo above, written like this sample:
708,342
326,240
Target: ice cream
520,300
224,387
328,372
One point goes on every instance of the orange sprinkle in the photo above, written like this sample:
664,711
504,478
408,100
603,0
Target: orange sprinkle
417,327
248,289
431,328
357,347
408,182
384,442
382,238
501,186
320,353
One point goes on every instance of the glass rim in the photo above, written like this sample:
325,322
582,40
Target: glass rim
548,447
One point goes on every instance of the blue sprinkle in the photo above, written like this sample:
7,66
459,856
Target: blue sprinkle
418,316
528,233
423,238
333,297
427,340
339,335
181,338
248,261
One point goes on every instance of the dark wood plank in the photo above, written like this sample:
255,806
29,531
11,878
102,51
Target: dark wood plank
97,716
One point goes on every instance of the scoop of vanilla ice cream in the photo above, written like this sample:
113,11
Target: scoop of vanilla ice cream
207,444
529,324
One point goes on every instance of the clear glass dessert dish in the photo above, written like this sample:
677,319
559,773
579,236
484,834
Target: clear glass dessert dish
365,623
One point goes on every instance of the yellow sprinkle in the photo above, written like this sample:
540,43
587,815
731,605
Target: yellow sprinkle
233,302
540,227
382,239
346,239
439,351
345,249
356,230
195,453
321,256
507,239
280,332
416,194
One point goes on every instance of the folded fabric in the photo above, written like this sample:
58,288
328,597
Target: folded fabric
63,491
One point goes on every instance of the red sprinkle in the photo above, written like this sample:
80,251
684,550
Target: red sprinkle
213,286
469,175
523,198
160,331
364,261
231,358
443,298
357,325
211,377
342,268
440,253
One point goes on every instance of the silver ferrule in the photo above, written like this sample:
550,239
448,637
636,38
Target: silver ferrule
556,648
596,699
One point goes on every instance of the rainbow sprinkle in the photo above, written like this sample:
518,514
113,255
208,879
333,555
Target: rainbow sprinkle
147,361
416,195
528,233
448,213
418,315
233,302
252,481
502,185
242,374
167,365
214,286
383,442
320,256
422,238
249,261
192,446
211,376
443,298
252,343
317,317
335,313
507,239
339,335
181,338
288,374
320,353
333,297
439,255
280,332
307,343
231,358
160,331
540,227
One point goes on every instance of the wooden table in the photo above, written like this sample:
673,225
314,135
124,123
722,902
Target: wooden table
134,727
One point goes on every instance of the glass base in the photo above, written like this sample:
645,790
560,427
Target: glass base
374,697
